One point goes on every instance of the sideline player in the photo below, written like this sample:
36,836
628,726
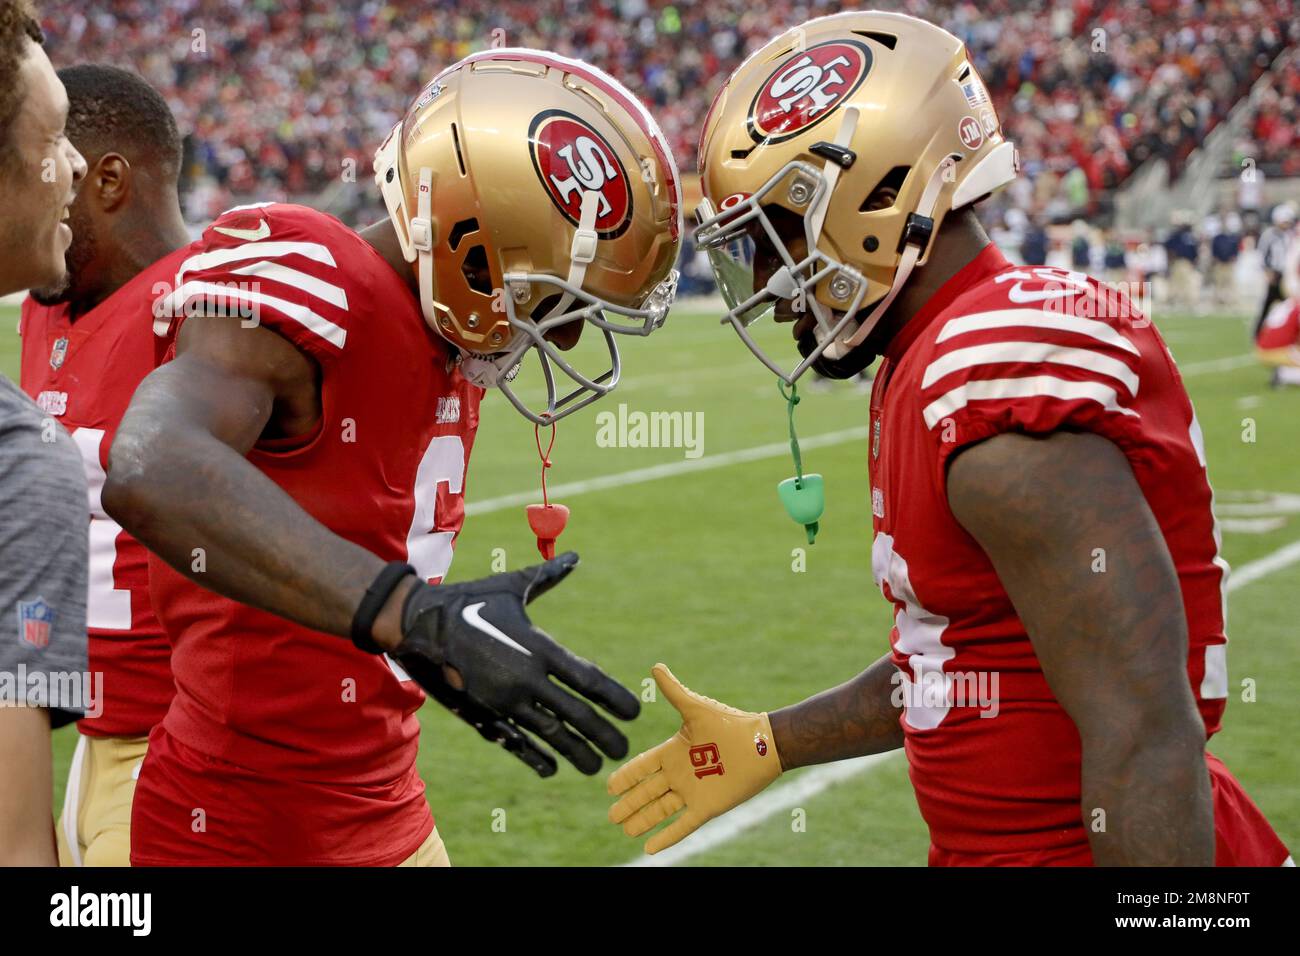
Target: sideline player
42,491
87,343
303,457
1042,516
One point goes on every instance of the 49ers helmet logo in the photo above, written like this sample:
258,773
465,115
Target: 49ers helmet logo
571,159
806,88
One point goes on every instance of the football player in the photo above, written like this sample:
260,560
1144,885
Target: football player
1042,516
42,490
87,343
298,467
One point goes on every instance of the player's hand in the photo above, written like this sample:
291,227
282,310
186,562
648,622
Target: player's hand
719,758
473,648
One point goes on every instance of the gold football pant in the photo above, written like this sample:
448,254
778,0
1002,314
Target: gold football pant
430,853
95,826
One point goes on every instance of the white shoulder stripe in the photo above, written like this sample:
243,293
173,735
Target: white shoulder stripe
275,272
175,304
1032,387
254,250
1035,352
1036,319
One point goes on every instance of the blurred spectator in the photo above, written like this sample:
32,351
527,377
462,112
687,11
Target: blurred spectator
1225,247
1035,248
1183,250
289,97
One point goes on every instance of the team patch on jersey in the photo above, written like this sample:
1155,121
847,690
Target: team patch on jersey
35,620
59,352
571,159
806,88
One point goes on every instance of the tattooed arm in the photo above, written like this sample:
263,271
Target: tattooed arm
178,480
852,720
1112,644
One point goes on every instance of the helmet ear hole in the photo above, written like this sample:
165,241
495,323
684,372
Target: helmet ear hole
886,192
475,269
460,231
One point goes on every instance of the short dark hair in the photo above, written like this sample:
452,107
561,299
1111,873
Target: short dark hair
18,24
114,110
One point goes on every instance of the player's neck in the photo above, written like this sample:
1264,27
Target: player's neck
957,243
384,241
138,245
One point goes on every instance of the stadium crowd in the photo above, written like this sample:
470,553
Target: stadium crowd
285,98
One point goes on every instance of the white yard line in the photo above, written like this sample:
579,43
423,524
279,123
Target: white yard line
1226,364
668,470
1252,571
775,450
785,796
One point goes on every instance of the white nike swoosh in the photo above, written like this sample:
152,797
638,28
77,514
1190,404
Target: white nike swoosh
475,620
1022,296
251,235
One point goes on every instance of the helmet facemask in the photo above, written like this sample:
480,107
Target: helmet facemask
727,238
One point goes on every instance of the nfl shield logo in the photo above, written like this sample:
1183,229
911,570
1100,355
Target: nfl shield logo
35,618
59,352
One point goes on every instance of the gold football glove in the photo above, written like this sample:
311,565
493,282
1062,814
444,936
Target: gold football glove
719,758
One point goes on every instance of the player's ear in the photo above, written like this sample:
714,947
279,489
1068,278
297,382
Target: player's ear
110,180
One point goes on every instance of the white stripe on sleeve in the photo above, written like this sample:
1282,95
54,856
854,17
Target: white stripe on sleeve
174,304
1038,386
1035,352
275,272
1035,319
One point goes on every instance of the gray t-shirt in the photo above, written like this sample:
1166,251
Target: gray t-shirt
43,544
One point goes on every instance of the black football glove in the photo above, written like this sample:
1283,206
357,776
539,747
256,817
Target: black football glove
480,630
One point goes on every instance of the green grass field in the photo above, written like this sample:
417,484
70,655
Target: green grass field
695,568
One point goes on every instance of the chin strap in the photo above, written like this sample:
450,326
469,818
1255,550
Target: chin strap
421,230
920,223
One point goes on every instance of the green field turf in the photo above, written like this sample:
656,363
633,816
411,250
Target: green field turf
695,569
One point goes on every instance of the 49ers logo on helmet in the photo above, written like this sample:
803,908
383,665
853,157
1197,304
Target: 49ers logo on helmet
571,159
806,88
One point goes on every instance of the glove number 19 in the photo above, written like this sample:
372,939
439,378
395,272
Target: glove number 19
706,760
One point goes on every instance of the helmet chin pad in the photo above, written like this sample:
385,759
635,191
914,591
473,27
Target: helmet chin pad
853,363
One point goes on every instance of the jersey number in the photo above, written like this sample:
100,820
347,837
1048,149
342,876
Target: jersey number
107,607
427,550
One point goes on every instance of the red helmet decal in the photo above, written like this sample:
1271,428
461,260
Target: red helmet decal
970,134
806,88
571,159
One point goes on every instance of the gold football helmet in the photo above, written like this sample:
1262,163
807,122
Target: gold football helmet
816,122
528,191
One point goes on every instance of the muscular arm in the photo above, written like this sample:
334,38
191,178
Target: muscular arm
26,834
1112,643
856,718
178,480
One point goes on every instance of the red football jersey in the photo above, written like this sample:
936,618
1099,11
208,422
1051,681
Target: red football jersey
384,469
84,373
993,757
1281,326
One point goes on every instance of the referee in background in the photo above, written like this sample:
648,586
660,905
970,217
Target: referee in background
43,533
